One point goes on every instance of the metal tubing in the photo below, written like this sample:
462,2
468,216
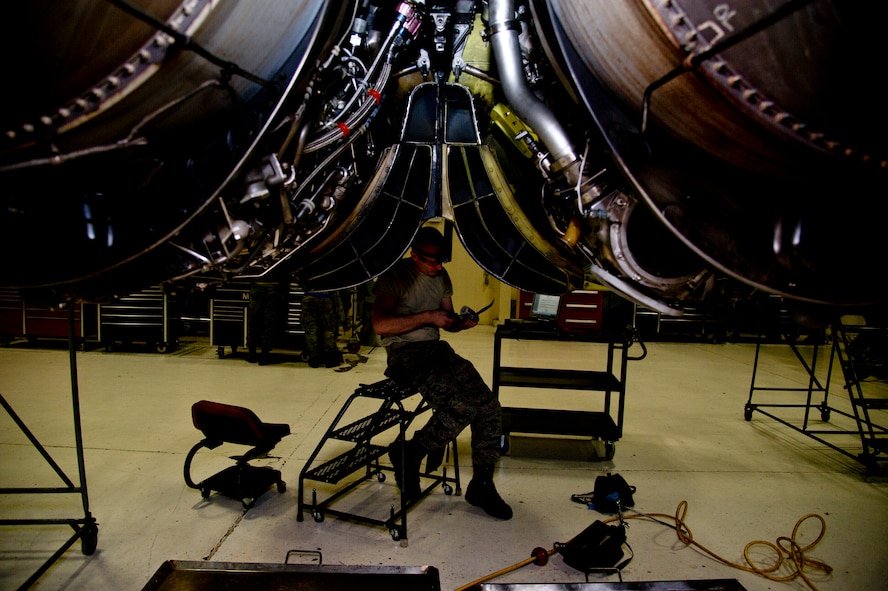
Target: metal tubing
504,40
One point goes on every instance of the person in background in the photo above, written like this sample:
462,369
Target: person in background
320,320
413,302
365,298
345,309
267,300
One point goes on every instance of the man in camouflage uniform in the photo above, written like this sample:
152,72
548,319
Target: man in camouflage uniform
320,320
266,305
412,303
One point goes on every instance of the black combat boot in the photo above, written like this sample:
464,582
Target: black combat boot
265,357
482,493
333,358
413,455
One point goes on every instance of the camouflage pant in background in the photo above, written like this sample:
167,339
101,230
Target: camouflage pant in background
320,320
265,309
457,394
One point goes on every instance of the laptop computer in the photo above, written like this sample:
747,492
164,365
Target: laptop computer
545,307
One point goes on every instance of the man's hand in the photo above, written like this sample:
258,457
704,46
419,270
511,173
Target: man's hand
445,319
458,322
468,322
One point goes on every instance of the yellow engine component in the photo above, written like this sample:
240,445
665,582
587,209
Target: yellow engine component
503,117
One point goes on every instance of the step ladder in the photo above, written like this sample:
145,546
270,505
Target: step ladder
866,407
389,421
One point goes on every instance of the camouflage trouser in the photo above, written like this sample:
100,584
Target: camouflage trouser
320,320
263,312
457,394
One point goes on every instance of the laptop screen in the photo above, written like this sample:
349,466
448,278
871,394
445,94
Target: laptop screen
545,306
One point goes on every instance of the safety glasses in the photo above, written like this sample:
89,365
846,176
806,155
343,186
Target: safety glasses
431,259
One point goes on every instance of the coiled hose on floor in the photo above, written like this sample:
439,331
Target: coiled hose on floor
786,551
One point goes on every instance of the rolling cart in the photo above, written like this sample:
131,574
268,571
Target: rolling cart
841,424
148,316
294,332
228,317
605,424
22,318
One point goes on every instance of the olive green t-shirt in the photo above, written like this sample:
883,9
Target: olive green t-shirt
415,292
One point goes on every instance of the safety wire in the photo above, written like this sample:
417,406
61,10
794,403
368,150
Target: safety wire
786,550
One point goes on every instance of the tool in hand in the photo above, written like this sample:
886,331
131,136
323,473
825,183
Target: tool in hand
466,313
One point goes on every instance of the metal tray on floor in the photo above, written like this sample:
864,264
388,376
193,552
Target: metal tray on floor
182,575
702,585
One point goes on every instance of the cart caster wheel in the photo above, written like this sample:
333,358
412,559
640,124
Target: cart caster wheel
448,490
610,449
282,486
317,515
747,414
248,503
162,347
380,476
824,415
396,533
220,352
205,492
353,347
89,540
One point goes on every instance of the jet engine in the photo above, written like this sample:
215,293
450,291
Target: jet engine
650,145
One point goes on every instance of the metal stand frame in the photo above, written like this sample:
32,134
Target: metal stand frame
606,424
871,435
365,455
85,529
